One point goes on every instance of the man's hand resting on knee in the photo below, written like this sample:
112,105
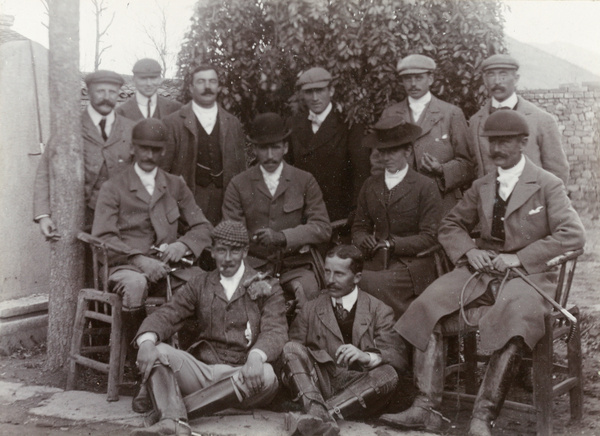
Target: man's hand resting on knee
252,373
147,356
154,269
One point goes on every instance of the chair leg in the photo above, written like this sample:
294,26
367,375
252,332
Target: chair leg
575,370
470,350
76,341
115,368
542,380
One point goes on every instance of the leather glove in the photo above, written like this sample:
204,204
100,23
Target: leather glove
268,237
152,268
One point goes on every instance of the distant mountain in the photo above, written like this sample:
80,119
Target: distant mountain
542,70
576,55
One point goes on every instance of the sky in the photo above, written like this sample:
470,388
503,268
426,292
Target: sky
575,22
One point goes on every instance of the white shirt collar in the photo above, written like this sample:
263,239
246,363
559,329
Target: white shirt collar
320,117
206,116
142,102
272,179
97,117
347,300
510,102
508,178
147,178
423,101
515,171
392,179
230,284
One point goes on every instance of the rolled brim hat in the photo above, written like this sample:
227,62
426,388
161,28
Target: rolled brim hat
232,233
316,77
505,122
268,128
390,132
150,132
104,76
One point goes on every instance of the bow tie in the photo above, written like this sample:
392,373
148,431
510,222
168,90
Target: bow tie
314,118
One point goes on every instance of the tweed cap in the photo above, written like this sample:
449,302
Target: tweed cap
505,122
500,61
150,132
232,233
267,128
391,132
104,76
315,77
147,68
415,64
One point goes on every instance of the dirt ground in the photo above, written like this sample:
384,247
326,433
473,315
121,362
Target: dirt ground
27,366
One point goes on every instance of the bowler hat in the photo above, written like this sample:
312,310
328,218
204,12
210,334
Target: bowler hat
104,76
505,122
315,77
267,128
150,132
391,132
232,233
415,64
147,68
500,61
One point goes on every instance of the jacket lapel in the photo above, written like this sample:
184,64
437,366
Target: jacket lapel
487,193
160,187
327,317
524,189
362,318
284,181
135,184
326,131
259,182
430,117
189,121
403,188
116,133
214,282
90,131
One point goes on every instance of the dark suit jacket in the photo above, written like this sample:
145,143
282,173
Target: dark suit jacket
221,323
131,110
543,146
334,156
316,327
182,151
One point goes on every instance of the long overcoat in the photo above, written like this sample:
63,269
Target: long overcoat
131,110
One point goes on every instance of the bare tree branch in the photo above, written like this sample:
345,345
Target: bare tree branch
158,38
99,8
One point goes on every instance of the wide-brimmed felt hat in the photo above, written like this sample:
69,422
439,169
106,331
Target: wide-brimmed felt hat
500,61
104,76
232,233
315,77
505,122
150,132
147,68
267,128
415,64
392,131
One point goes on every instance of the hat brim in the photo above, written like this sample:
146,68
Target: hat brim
414,71
503,133
501,66
371,141
149,143
315,85
111,81
269,139
146,74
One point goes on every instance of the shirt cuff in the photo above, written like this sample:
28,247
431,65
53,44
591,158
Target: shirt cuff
375,360
148,336
261,353
39,217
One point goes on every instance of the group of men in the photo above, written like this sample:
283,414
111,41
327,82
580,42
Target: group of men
165,182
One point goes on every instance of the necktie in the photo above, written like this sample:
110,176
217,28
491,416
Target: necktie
102,125
340,313
149,109
316,123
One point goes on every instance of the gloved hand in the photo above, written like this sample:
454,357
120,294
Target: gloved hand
268,237
368,244
152,268
174,252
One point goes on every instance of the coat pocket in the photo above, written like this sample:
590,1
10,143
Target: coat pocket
292,204
173,215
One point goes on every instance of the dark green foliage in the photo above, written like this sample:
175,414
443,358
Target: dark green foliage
261,46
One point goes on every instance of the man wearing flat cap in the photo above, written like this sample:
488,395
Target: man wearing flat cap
282,207
241,332
106,149
146,103
544,146
206,143
442,149
397,216
526,219
325,146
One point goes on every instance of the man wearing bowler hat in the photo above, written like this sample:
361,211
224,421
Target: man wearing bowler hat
282,207
106,149
442,149
397,216
543,147
146,103
526,219
325,146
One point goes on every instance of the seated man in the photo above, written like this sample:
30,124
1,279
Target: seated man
282,207
141,208
343,355
242,328
526,219
397,215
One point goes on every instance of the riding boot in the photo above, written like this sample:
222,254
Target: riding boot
365,395
316,419
132,320
214,398
428,366
168,403
501,371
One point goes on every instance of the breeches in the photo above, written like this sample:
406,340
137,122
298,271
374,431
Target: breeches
134,287
393,286
306,278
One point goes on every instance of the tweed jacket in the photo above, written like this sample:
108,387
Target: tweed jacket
445,136
182,151
222,324
297,208
129,218
131,110
539,223
543,146
316,328
115,153
410,217
334,156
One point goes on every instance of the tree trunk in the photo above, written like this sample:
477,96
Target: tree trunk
66,177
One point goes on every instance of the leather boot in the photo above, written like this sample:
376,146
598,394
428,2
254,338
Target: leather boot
429,366
220,396
168,403
501,371
132,320
316,419
365,395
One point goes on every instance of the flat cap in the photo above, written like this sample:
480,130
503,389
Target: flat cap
104,76
150,132
316,77
415,64
391,132
505,122
232,233
500,61
147,68
267,128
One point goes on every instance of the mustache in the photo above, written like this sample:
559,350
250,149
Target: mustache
106,102
498,88
208,92
269,161
333,287
498,155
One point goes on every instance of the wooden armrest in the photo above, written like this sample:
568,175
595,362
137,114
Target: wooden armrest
339,223
565,257
99,243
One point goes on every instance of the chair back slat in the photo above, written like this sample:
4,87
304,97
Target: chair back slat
570,273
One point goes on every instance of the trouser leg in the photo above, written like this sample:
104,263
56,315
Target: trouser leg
501,371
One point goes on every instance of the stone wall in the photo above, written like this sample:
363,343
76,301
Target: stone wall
577,111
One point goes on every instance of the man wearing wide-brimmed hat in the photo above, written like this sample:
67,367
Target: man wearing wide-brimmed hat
281,206
397,216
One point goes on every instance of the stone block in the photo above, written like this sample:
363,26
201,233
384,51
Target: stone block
574,140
